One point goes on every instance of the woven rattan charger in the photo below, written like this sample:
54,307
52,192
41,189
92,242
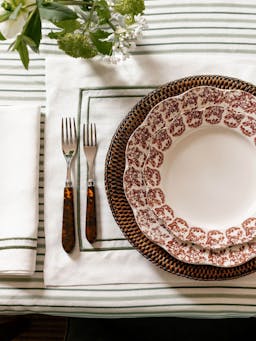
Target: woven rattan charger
114,169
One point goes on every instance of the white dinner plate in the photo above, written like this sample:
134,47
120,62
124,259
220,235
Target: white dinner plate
200,176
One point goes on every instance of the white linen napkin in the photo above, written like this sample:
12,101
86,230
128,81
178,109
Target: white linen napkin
105,93
19,153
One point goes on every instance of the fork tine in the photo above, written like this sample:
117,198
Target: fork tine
95,135
93,139
70,131
87,134
91,135
62,131
66,126
74,126
83,134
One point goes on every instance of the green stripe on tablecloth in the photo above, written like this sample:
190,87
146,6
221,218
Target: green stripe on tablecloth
136,306
145,52
223,300
17,247
117,289
164,4
199,35
198,12
17,238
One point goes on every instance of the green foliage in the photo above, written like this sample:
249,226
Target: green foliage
130,7
102,46
20,45
30,36
5,16
2,37
55,12
84,28
103,11
32,30
69,25
77,45
56,35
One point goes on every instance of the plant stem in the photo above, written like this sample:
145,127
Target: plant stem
29,5
111,25
90,15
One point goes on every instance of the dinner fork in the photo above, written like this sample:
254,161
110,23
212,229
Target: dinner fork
90,150
69,148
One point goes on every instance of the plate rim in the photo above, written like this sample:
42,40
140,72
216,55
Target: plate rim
149,186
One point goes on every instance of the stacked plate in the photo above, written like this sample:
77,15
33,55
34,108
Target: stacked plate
180,177
190,176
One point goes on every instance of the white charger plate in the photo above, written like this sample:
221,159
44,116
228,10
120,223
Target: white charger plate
137,149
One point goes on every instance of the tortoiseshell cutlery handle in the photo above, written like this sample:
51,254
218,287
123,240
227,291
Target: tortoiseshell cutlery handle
68,222
90,224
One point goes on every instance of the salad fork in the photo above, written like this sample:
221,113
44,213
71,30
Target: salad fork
69,148
90,150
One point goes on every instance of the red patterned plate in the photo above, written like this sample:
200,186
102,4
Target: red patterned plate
137,149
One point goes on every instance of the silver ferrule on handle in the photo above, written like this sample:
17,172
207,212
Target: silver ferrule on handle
90,182
91,177
68,182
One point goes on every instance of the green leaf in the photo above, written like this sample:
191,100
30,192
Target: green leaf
87,5
15,43
104,47
56,35
11,46
5,16
68,25
23,52
29,42
55,12
33,30
103,11
20,46
2,37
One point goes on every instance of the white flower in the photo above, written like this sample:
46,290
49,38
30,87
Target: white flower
116,57
124,37
13,26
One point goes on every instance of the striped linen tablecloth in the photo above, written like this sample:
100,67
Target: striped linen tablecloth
186,31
